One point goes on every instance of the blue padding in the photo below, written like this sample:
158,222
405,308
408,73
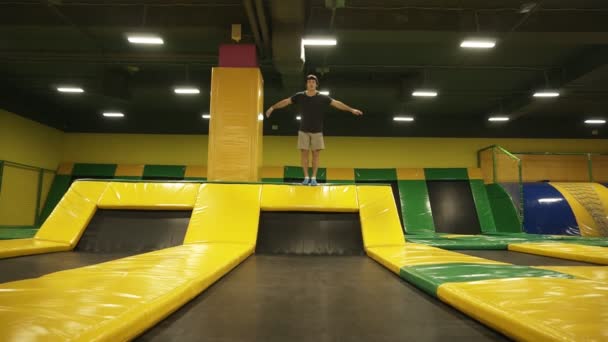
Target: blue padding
546,211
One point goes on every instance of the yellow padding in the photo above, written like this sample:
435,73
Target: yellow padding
159,196
72,214
344,174
65,168
380,224
410,174
597,273
570,251
474,173
129,170
412,254
586,207
112,301
196,171
273,172
225,213
535,309
342,198
18,247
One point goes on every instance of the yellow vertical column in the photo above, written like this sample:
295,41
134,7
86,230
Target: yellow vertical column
235,128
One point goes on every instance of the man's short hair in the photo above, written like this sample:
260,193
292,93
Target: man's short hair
313,77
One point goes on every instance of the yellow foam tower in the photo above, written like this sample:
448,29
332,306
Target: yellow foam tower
235,129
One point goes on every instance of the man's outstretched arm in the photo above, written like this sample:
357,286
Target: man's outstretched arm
278,105
342,106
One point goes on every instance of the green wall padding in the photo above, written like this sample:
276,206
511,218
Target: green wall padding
17,233
415,207
446,174
341,181
199,179
429,277
94,170
375,174
60,185
164,171
505,213
272,180
118,178
295,172
482,205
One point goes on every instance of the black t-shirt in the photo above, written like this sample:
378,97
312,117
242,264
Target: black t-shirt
312,110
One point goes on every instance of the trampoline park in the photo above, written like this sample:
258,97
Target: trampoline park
433,222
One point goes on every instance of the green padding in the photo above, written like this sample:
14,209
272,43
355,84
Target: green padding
119,178
200,179
461,244
17,233
429,277
164,171
375,174
482,205
94,170
446,174
60,185
295,172
415,207
505,214
272,180
341,181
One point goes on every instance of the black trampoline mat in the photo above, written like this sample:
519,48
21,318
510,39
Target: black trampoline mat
320,298
453,207
111,234
309,233
523,259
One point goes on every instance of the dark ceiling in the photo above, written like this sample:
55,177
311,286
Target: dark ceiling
385,49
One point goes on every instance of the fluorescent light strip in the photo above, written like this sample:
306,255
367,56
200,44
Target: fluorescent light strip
403,118
70,90
424,93
298,117
113,115
206,116
546,94
549,200
324,92
187,91
319,42
147,40
498,118
478,44
595,122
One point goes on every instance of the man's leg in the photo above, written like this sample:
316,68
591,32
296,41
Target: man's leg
304,146
304,159
317,145
315,162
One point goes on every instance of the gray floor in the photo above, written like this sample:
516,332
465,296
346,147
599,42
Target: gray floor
320,298
523,259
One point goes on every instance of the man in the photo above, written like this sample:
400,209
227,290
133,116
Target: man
310,136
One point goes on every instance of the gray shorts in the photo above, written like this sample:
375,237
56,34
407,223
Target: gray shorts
310,141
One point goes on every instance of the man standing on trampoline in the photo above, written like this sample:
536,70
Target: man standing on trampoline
310,136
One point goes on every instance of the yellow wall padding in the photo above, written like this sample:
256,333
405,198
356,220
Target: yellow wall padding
474,173
47,181
343,174
225,213
273,172
599,167
597,273
157,196
336,198
410,174
380,224
570,251
18,196
535,309
235,129
18,247
72,214
589,205
112,301
65,168
196,171
558,168
412,254
129,170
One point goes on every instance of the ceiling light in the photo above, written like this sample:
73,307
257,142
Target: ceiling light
298,117
206,116
113,114
70,90
595,121
546,94
186,91
403,118
147,40
478,44
324,92
498,118
319,42
424,93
